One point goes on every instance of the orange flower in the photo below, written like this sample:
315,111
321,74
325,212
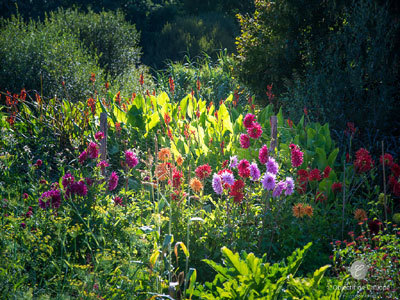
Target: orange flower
308,210
196,185
162,171
179,160
164,154
298,210
360,215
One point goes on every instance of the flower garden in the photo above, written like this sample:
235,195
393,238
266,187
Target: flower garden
139,160
180,199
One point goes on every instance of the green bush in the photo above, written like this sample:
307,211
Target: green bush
41,56
105,34
351,75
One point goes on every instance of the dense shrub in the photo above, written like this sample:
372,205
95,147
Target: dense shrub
41,56
351,74
192,35
105,34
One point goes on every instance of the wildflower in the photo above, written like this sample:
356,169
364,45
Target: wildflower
375,226
237,191
268,181
131,159
198,85
38,163
77,188
92,105
171,85
314,175
255,131
107,85
254,171
118,201
167,119
272,166
176,178
327,171
103,164
233,162
243,168
25,196
279,187
163,171
387,158
23,225
217,184
395,185
118,127
360,214
67,180
83,156
249,120
141,79
244,141
113,182
89,181
179,160
50,198
93,150
336,187
203,171
298,210
164,154
196,185
263,154
289,186
363,162
290,123
308,210
228,177
395,170
99,135
297,156
320,197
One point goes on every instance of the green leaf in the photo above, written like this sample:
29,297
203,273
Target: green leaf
332,157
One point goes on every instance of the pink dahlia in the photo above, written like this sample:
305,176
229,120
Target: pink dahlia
244,141
113,182
248,120
255,131
263,154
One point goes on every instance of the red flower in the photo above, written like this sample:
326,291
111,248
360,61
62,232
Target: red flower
375,226
336,187
327,171
290,123
141,79
176,179
363,162
203,171
237,191
244,141
243,168
255,131
314,175
249,120
171,85
320,197
167,119
395,170
303,175
388,159
297,155
395,185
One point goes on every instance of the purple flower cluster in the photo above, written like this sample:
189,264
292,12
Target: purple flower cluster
50,198
228,178
272,166
93,150
113,182
254,171
131,159
217,184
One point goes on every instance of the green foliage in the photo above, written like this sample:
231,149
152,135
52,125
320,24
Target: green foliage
249,277
214,76
41,56
106,35
351,73
192,35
